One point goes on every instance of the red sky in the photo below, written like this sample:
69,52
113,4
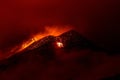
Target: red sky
96,19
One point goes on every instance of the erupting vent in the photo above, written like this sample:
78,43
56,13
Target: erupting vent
67,40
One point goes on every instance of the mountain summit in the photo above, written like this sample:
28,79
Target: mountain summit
65,57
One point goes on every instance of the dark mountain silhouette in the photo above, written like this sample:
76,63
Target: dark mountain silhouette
70,39
45,47
43,52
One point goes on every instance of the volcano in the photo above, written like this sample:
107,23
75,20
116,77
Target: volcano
30,63
70,39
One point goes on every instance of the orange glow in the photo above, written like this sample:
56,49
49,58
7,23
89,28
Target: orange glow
49,30
60,44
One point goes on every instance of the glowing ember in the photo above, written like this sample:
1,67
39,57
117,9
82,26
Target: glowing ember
60,44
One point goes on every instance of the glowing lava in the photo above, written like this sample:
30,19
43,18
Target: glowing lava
60,44
49,30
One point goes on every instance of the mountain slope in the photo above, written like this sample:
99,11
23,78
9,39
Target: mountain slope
79,59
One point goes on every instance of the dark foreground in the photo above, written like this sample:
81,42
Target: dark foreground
79,59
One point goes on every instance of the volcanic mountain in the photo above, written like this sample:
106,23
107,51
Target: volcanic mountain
47,60
70,39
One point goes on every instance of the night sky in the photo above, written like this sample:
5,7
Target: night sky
96,19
